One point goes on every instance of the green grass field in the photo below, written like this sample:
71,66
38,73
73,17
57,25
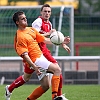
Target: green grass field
73,92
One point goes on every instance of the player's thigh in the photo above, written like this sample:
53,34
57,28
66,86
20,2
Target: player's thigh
56,64
45,82
54,68
27,76
27,72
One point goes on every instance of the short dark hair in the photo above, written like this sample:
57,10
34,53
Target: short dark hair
16,16
45,5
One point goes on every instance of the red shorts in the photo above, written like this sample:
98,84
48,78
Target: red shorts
27,69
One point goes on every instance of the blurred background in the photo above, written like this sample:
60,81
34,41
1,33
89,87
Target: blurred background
86,24
80,18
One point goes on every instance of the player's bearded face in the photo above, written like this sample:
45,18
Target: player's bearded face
46,13
23,20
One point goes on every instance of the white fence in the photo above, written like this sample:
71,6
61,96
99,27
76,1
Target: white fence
62,60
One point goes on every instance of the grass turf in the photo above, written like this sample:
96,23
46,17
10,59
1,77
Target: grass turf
73,92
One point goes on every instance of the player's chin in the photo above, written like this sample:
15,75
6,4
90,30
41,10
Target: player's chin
26,25
47,18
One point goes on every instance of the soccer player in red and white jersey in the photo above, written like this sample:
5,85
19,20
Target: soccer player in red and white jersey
44,26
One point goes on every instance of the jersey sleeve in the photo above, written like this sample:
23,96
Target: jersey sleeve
21,46
39,37
37,24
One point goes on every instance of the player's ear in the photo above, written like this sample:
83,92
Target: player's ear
17,22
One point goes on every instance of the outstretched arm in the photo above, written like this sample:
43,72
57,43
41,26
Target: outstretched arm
48,33
66,48
64,44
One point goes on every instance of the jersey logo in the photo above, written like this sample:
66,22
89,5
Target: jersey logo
47,26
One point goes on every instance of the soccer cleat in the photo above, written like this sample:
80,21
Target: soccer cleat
7,93
63,97
58,98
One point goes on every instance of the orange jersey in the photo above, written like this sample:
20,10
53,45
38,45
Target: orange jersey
27,41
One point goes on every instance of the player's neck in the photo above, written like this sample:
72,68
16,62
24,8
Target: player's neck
21,28
46,20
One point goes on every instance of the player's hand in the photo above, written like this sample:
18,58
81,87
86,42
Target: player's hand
48,33
37,70
66,40
66,48
51,31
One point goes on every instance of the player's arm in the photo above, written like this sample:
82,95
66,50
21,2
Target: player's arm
66,40
66,48
48,33
47,41
29,61
64,44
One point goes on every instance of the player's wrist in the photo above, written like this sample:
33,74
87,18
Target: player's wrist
34,66
63,45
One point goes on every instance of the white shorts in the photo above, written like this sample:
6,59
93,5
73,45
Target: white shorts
44,64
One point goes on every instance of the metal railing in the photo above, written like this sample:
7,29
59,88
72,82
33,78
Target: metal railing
60,59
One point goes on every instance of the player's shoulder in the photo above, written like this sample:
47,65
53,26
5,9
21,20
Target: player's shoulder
38,20
33,29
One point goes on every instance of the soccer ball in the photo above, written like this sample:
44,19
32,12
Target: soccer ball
57,37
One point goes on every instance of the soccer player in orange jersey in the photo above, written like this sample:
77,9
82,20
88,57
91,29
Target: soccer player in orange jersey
26,45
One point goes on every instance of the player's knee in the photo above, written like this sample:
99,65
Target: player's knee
45,87
55,69
58,70
26,79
